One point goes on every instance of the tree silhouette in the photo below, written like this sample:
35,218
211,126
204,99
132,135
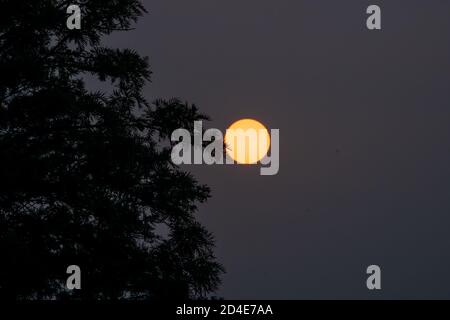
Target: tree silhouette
86,177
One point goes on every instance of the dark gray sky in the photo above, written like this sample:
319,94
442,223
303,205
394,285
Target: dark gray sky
313,70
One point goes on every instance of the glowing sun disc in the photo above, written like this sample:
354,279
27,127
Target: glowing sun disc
247,141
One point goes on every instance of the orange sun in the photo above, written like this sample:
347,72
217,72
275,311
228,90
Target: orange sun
247,141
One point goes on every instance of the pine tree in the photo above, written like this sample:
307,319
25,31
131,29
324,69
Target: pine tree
86,176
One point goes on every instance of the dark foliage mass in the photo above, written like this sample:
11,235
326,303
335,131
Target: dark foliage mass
85,176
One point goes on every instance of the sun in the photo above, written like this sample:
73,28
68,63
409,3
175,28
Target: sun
247,141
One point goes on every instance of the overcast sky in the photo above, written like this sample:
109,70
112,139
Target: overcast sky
365,139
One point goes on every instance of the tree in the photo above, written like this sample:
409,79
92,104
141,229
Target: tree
86,177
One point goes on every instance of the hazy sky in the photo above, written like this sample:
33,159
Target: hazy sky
365,139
